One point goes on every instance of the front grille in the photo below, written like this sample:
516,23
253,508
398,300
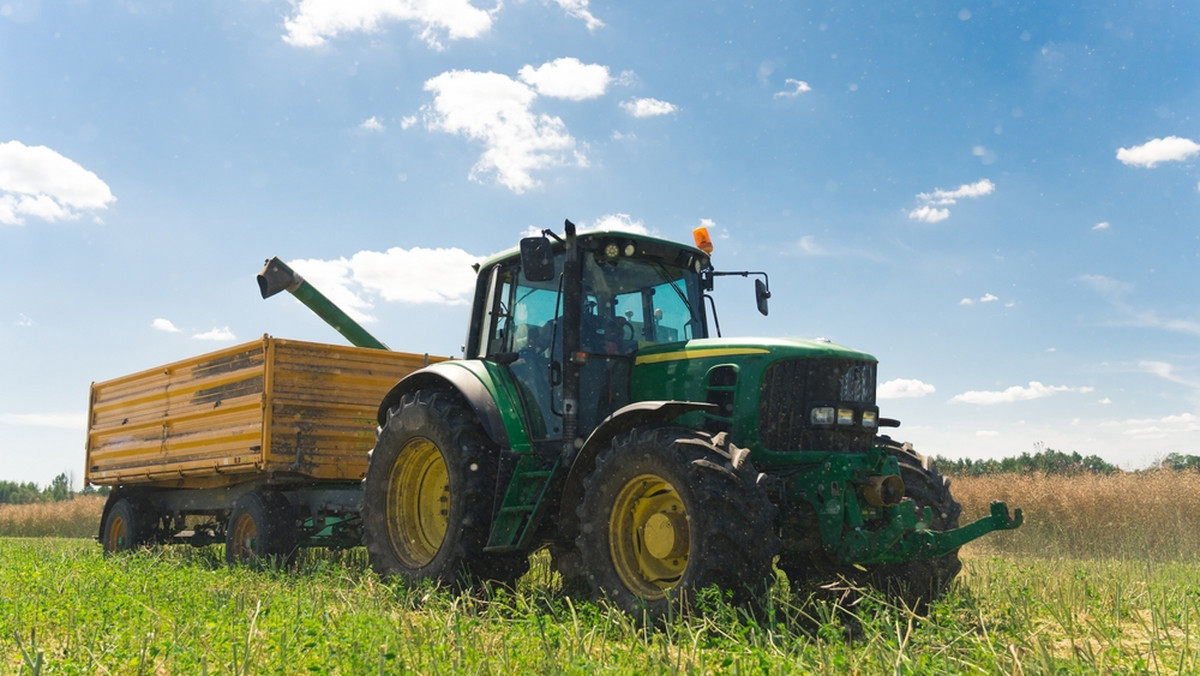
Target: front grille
791,387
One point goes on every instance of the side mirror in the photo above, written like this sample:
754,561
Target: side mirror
537,259
761,294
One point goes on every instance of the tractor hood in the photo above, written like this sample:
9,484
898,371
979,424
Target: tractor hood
707,349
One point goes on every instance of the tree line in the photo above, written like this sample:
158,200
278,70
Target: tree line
13,493
1050,461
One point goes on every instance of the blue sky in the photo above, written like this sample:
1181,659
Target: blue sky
997,199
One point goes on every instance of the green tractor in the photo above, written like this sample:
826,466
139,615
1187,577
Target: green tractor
596,414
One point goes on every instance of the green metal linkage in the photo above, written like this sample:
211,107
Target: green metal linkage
852,532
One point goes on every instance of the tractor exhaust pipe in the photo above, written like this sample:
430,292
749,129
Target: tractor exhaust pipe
276,276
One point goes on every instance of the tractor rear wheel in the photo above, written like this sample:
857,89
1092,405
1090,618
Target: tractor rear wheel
668,512
429,492
128,524
261,529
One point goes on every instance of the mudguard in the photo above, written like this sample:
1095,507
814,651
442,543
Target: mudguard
484,388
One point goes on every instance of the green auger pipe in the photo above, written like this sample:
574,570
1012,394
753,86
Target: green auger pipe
276,276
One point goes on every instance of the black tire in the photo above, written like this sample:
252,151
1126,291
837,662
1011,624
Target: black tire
914,583
568,563
429,491
699,495
128,524
261,530
921,581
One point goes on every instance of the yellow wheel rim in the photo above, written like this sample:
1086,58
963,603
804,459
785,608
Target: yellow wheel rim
117,534
245,537
418,502
649,536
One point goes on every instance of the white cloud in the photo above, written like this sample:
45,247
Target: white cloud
1155,151
988,298
24,321
315,21
164,325
970,190
1034,390
929,214
579,10
220,334
1102,225
66,421
1150,429
622,222
793,88
37,182
417,275
648,107
808,246
567,78
495,110
371,124
904,388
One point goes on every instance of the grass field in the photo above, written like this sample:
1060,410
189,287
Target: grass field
1102,578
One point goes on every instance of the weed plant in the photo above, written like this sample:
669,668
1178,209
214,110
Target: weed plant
65,608
1102,578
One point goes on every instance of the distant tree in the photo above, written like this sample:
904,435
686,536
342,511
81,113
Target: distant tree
19,494
1181,462
59,489
1046,461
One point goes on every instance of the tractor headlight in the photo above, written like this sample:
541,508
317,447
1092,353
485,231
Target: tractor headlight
870,419
822,415
845,416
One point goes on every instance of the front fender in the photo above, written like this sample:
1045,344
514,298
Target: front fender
483,385
624,419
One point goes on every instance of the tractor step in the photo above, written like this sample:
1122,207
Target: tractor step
522,505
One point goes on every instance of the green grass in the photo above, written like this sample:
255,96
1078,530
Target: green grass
64,608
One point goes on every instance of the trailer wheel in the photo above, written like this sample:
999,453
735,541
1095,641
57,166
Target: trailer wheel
127,525
668,512
429,490
261,530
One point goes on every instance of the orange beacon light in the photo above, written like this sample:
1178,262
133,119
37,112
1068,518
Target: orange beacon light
703,242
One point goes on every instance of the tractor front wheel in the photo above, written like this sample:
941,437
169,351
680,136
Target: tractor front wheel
429,492
920,581
668,512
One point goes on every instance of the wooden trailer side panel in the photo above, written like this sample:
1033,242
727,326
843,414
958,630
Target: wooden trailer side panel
322,404
270,406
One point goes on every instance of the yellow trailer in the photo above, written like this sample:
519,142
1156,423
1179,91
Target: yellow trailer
280,427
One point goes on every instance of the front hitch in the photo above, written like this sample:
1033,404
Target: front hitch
906,535
861,516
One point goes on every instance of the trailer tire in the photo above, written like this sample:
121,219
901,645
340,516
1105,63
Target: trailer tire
668,512
127,525
261,530
428,495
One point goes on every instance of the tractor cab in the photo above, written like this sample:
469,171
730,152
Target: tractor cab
625,292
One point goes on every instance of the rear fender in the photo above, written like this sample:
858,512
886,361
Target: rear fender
624,419
482,385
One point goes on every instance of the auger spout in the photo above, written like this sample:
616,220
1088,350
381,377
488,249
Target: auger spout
276,276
